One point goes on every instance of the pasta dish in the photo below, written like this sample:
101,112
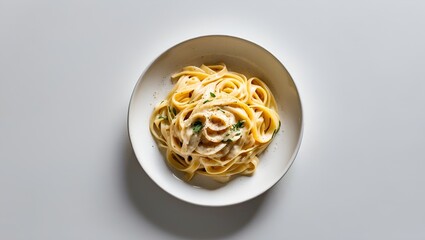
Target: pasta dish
215,122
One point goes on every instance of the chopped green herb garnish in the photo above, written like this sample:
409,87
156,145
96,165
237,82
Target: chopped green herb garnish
237,134
172,110
227,134
276,130
162,117
212,94
238,125
206,101
226,141
219,109
197,126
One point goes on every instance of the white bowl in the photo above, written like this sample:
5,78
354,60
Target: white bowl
241,56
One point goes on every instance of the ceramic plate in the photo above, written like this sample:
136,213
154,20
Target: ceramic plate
241,56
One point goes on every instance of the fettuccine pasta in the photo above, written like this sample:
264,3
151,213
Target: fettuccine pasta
215,122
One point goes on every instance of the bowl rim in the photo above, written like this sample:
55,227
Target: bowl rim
297,147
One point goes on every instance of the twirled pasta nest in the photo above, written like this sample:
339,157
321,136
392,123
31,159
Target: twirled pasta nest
215,122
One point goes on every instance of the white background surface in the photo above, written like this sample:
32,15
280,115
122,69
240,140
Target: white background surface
67,70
